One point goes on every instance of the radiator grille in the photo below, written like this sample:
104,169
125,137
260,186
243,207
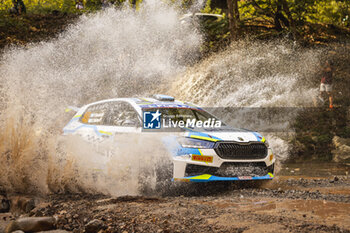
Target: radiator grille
232,150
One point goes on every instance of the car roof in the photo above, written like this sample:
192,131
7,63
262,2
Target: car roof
140,103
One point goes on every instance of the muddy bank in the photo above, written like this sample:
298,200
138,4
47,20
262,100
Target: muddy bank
24,29
287,204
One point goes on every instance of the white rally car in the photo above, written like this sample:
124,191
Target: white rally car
201,147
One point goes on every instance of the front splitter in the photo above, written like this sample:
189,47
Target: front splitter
211,178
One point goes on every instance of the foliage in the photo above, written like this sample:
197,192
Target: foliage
332,12
335,12
46,6
42,6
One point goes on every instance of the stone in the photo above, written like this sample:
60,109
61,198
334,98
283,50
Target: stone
31,224
22,204
4,204
342,149
54,231
94,226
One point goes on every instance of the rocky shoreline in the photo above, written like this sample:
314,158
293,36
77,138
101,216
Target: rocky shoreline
284,205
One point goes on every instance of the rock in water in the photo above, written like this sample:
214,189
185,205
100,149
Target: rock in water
31,224
94,226
22,204
54,231
4,205
342,149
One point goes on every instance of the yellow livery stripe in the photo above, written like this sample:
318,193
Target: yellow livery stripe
201,177
204,138
104,132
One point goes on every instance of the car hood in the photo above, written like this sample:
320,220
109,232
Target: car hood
225,134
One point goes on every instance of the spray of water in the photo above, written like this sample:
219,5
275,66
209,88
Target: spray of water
126,53
252,74
255,75
109,54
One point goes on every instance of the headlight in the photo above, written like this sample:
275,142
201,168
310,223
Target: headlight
267,144
195,143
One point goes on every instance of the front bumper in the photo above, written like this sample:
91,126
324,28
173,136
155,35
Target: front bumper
208,170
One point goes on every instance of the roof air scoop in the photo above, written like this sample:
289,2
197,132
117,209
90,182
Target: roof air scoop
163,97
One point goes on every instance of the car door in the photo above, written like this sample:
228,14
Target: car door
108,124
120,128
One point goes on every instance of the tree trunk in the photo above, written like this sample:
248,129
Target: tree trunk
236,12
133,2
279,17
233,18
290,18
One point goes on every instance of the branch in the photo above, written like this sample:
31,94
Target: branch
260,9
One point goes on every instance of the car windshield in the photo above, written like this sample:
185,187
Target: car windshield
183,114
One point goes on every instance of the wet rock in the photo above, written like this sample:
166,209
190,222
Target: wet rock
31,224
54,231
4,204
94,226
39,210
22,204
342,149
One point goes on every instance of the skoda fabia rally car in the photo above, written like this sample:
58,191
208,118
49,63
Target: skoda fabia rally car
201,147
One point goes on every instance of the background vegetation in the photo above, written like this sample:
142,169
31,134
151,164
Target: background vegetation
335,12
323,23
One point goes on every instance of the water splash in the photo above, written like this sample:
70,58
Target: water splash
255,75
108,54
252,74
126,53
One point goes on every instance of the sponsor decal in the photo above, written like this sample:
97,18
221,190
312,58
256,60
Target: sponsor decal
154,120
245,177
192,123
86,117
151,120
202,158
182,179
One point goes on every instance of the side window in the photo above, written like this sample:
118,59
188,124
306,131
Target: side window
95,114
200,116
121,114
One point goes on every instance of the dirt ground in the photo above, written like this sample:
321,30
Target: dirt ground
286,204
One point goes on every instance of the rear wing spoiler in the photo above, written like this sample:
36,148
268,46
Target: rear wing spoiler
72,108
